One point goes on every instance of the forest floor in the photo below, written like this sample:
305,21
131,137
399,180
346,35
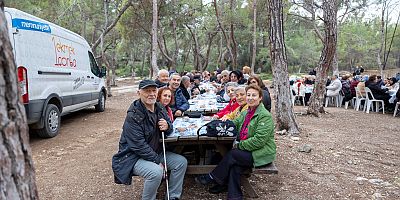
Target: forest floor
353,156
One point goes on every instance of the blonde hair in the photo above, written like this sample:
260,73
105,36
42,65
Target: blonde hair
246,70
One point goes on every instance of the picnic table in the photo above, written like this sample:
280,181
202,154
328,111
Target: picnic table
205,104
185,134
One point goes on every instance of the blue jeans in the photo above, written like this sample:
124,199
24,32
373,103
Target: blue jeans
153,174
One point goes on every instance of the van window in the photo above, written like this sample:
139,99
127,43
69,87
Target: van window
93,65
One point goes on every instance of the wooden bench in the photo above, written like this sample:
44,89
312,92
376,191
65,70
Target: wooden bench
268,169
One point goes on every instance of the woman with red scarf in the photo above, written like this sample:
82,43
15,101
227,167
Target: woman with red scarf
255,147
232,105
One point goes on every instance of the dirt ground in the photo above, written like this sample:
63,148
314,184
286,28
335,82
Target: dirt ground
353,156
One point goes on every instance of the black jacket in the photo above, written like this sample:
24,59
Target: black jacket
134,142
377,91
160,84
266,99
185,92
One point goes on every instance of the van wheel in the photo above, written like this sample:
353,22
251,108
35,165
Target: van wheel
52,121
101,106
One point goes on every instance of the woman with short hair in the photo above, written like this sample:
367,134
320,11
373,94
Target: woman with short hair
255,80
240,93
229,95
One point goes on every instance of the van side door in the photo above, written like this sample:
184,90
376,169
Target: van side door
96,81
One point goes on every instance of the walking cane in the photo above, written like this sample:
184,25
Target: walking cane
165,163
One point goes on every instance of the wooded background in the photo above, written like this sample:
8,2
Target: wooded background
204,35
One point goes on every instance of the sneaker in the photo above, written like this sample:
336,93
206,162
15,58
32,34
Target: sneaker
216,189
204,179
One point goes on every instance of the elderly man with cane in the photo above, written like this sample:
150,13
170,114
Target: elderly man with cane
140,152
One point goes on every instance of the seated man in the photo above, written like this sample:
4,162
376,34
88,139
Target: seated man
140,152
181,103
162,78
185,87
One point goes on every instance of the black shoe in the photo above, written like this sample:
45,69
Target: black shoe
204,179
216,189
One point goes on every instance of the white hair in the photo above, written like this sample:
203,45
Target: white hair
163,71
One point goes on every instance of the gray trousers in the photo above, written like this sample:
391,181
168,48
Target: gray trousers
153,174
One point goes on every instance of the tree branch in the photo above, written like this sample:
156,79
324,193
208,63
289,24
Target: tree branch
111,26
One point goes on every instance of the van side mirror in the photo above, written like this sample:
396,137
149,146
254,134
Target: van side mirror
103,72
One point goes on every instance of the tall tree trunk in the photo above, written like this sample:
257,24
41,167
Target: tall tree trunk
196,50
144,56
228,41
220,53
108,77
187,54
316,105
17,173
382,34
391,40
103,56
253,57
210,39
285,118
232,37
154,66
175,56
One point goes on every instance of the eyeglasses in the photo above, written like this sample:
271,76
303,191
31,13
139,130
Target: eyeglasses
254,82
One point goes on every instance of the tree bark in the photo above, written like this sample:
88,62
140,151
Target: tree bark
228,41
175,57
382,34
17,173
316,105
253,57
154,66
211,36
232,37
285,118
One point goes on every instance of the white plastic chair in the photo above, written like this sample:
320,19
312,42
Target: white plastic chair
396,108
337,99
359,99
370,99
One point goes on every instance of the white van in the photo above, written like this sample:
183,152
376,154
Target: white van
57,72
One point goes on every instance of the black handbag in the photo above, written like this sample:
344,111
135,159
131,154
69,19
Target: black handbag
219,128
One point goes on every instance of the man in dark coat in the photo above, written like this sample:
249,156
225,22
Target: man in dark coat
140,152
181,103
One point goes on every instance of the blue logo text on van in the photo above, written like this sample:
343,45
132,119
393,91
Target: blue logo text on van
30,25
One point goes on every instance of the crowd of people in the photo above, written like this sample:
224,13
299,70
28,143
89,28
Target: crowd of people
347,85
248,107
185,86
166,98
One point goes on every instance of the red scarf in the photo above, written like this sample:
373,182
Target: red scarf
244,131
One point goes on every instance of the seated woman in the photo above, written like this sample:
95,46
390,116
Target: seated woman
237,77
232,105
255,80
240,93
256,147
166,98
